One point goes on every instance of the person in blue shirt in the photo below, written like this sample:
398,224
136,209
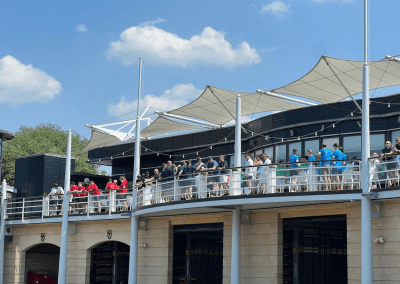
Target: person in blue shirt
294,172
337,166
344,160
311,159
213,175
325,155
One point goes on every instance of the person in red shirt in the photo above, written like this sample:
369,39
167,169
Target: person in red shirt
94,195
75,198
123,193
110,186
83,197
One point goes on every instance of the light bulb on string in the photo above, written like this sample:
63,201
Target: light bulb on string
333,125
158,154
111,157
226,139
351,114
282,140
210,147
197,153
170,156
252,133
123,153
298,138
183,156
388,104
145,149
316,134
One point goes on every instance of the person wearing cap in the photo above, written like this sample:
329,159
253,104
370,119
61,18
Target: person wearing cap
325,155
294,172
211,166
249,173
337,165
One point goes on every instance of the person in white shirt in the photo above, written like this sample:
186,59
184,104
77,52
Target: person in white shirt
249,172
375,169
55,197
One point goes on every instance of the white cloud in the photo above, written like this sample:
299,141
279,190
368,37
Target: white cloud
152,23
21,83
277,8
178,96
81,28
160,47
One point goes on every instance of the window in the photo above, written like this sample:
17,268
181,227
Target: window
297,146
352,146
313,145
258,153
377,142
394,135
280,153
270,152
330,141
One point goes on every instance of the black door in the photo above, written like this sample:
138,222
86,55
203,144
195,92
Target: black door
109,263
197,256
315,250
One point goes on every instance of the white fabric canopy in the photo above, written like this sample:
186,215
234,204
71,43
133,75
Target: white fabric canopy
163,125
219,105
324,85
100,139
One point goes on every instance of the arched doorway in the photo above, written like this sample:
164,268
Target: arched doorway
41,264
109,263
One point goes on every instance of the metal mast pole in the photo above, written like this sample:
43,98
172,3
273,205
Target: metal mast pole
62,268
3,215
133,254
235,254
367,269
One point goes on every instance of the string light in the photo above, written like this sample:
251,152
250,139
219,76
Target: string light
298,138
158,154
252,133
210,147
123,153
226,139
316,134
333,125
351,114
388,104
183,156
145,149
170,156
282,140
111,157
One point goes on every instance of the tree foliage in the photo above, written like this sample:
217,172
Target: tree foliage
44,138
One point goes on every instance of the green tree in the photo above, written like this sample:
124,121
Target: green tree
44,138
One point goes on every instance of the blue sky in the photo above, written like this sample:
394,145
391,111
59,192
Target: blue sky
76,62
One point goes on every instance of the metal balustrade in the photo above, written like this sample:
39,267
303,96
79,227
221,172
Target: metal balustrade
278,179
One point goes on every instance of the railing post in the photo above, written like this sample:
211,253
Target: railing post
88,204
175,193
23,208
269,182
311,182
156,197
230,181
43,205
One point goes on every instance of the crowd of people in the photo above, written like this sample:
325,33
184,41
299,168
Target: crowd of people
330,166
80,193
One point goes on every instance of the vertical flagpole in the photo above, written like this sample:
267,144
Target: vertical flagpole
367,269
235,251
133,255
62,268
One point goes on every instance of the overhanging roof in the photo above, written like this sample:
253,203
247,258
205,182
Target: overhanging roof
100,139
163,125
324,82
219,105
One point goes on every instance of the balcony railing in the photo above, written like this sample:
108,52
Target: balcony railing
278,179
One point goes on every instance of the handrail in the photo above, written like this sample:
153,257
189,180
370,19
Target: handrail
238,181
